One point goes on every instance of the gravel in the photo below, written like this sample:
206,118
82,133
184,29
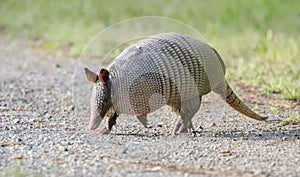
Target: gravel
44,112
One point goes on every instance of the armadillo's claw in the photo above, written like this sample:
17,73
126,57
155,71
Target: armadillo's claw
105,130
179,129
182,127
110,123
143,120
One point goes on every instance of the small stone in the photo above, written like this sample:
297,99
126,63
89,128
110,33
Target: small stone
57,65
124,151
46,101
2,108
32,120
213,124
157,168
257,172
16,121
48,116
71,108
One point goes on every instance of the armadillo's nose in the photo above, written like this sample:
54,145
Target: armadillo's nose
94,122
92,128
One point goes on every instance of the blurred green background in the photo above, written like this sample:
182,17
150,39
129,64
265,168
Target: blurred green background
259,39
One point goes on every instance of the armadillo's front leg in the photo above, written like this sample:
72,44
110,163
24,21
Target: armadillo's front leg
110,123
188,110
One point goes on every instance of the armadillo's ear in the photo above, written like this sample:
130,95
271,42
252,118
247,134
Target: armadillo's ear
104,76
92,77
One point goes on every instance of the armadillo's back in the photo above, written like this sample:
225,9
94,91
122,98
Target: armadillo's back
163,69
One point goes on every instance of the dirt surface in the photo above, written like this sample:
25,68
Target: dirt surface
44,113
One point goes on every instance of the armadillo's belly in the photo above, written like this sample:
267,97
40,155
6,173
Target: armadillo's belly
163,69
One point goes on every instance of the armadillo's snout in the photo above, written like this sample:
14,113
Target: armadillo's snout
95,121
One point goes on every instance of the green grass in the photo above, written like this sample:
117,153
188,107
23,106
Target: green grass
294,118
277,109
259,40
12,171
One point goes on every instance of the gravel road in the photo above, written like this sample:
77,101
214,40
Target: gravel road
43,123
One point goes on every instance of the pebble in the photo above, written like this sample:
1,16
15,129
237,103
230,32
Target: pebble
16,121
71,108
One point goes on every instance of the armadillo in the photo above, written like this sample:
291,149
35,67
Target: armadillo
165,69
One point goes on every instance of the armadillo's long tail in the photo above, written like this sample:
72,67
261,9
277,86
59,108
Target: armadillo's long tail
228,96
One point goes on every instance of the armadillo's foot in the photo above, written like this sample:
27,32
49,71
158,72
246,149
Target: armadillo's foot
143,120
110,123
187,112
105,130
183,127
179,129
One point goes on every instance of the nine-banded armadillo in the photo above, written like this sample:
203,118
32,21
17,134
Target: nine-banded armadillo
165,69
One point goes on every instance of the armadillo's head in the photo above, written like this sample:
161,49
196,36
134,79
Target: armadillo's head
100,98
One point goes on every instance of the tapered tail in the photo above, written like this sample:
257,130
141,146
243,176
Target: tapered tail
228,96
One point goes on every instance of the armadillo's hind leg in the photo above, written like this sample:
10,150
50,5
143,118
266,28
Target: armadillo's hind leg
143,120
188,110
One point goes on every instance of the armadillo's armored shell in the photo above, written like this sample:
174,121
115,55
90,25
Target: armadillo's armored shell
163,69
